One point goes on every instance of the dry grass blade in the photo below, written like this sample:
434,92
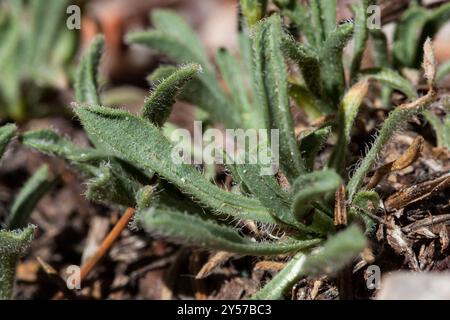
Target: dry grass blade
405,160
213,263
417,193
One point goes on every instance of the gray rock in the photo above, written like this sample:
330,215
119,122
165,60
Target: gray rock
415,286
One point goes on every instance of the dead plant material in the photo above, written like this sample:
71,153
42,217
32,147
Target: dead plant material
271,266
443,219
87,267
417,193
340,208
404,161
443,237
213,263
57,280
401,244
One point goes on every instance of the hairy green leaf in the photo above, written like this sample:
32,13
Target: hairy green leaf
407,37
158,106
332,69
393,80
359,9
309,64
442,129
271,78
310,187
86,82
7,132
443,71
347,114
393,123
335,253
12,245
311,142
253,10
144,145
33,190
191,230
110,184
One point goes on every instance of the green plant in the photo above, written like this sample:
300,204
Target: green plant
17,235
36,49
130,162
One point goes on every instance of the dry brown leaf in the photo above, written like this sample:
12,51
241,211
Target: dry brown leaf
405,160
417,193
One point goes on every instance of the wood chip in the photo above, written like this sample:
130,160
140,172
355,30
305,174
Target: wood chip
444,239
401,245
417,193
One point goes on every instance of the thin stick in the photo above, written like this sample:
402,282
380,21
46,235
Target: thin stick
87,267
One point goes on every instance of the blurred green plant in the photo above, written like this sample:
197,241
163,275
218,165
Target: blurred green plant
17,235
34,56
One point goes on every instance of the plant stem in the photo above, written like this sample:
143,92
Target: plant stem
87,267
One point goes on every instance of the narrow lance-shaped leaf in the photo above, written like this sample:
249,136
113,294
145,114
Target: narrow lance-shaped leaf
143,144
33,190
332,69
12,245
365,202
310,187
49,142
381,59
86,83
391,125
436,20
443,71
7,132
194,231
111,178
44,30
266,188
394,121
391,79
158,106
172,38
109,184
311,143
309,64
300,17
253,10
329,259
348,111
442,129
232,74
407,36
172,24
271,78
316,21
305,101
328,16
359,9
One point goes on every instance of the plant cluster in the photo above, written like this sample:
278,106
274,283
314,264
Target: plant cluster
319,215
34,57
